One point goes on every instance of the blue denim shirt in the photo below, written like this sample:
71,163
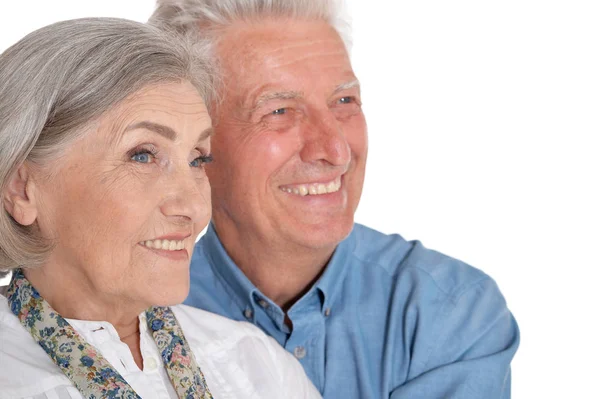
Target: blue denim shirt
387,319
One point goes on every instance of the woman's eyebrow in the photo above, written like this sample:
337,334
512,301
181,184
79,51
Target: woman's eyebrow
166,131
206,133
163,130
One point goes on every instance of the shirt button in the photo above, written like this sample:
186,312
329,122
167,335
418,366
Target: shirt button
263,304
299,352
248,313
327,312
151,364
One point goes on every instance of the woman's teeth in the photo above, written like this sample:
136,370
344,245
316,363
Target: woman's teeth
166,245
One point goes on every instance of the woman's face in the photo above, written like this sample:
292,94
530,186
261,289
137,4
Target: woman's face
125,203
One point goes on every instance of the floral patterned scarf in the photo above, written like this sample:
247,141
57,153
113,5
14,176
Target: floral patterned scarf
89,371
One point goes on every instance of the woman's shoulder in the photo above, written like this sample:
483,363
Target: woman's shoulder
208,327
236,352
25,369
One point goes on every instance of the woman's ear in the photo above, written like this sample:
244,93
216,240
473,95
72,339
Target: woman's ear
19,197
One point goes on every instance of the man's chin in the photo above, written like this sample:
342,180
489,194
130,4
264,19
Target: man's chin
324,235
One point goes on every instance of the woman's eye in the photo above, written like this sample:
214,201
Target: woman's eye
142,157
201,160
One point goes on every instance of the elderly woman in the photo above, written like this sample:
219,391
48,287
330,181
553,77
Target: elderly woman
104,135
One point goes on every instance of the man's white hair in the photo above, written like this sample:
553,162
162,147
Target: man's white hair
206,19
208,16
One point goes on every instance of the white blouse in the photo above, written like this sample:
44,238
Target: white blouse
238,360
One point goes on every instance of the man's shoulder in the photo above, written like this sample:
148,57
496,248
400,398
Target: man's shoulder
399,257
373,245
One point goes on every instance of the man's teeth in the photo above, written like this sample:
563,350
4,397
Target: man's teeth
315,188
166,245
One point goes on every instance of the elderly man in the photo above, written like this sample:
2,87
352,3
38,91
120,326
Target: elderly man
368,315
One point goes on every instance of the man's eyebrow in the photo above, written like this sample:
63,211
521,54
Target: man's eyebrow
347,85
291,95
279,95
166,131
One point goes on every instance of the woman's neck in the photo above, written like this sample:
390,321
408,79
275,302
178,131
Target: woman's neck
73,297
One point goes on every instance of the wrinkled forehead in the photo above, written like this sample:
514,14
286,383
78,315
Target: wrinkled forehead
280,40
280,49
176,104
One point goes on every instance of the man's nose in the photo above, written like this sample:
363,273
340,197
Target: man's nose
324,140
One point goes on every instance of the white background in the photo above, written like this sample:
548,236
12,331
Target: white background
484,119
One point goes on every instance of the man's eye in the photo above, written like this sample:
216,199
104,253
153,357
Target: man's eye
142,157
346,100
201,160
279,111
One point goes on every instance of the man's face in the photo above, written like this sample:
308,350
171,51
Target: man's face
290,140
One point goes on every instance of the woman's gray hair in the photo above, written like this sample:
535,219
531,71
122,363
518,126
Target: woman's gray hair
59,79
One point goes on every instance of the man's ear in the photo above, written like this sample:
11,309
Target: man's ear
19,196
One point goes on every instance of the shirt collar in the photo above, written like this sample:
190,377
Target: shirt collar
332,279
244,292
241,289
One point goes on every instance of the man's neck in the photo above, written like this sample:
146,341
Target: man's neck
283,273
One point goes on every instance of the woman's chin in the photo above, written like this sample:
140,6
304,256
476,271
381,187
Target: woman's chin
170,293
